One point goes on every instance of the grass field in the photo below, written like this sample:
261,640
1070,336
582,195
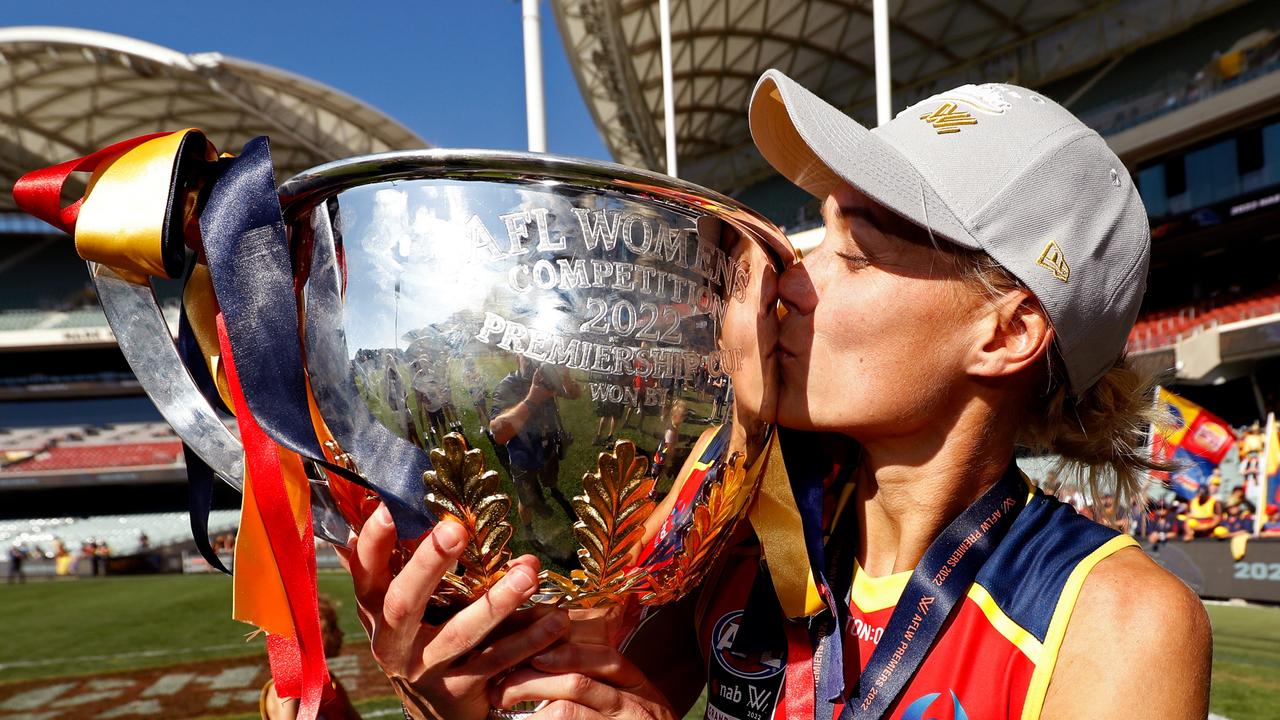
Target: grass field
88,627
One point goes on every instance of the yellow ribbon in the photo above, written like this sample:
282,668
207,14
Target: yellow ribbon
127,209
775,517
202,312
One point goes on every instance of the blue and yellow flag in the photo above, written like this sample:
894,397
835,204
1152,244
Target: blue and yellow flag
1193,439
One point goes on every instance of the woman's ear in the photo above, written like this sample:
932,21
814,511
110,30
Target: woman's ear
1014,334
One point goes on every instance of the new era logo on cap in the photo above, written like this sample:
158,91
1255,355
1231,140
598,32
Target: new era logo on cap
1052,258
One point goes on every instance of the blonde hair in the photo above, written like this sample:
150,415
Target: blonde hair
1101,433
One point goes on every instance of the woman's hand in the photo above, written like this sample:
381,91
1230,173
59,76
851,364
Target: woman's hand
443,671
584,681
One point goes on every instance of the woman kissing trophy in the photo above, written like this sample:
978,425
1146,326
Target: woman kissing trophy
341,319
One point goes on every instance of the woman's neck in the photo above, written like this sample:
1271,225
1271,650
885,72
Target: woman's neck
910,488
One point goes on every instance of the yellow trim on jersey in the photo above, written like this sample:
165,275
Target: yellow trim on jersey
1058,626
1012,631
873,594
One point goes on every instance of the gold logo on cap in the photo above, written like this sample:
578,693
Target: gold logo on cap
947,119
1053,259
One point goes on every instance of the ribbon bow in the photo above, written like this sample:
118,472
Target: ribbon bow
147,200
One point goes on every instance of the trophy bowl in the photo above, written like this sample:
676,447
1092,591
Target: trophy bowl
580,352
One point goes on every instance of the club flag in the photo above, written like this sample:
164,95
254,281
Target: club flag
1193,439
1271,466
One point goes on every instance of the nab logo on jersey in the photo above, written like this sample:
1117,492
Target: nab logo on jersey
921,705
750,667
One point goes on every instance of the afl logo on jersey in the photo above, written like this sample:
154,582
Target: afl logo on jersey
749,667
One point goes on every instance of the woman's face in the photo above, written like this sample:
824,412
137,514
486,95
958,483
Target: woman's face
876,327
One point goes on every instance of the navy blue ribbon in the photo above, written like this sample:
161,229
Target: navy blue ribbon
249,260
939,581
199,502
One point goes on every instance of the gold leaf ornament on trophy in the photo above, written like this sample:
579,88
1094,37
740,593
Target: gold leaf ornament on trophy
611,513
461,488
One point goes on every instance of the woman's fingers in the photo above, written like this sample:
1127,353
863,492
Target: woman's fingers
565,710
532,685
407,595
370,560
596,661
470,626
528,561
517,647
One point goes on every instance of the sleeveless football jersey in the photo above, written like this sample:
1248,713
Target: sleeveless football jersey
992,659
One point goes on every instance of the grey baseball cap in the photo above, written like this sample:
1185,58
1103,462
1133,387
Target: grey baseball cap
996,168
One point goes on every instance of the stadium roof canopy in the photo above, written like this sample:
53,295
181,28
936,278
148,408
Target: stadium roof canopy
66,92
720,47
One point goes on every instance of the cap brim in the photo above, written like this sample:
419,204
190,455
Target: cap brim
820,149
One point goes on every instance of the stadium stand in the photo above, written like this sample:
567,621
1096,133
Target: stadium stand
120,532
1166,327
82,450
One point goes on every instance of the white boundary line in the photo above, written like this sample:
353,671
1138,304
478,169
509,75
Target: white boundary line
115,656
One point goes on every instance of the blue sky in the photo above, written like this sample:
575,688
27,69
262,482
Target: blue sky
451,70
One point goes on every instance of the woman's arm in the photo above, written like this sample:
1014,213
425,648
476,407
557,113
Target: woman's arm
1138,644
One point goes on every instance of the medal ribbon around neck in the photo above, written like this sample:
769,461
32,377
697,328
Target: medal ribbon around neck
939,582
146,199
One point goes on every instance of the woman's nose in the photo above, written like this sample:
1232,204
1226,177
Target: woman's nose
796,287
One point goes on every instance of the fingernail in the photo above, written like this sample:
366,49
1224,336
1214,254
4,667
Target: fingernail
450,535
383,515
521,580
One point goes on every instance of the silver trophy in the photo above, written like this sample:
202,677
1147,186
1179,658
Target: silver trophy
582,351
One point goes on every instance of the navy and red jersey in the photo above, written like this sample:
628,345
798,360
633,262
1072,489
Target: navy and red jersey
992,659
695,479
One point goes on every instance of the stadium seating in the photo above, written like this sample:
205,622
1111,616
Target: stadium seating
88,447
120,532
85,317
1164,328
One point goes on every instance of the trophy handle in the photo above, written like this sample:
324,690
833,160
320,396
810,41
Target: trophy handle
144,338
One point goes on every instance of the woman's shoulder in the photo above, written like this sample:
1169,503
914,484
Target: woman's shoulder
1128,593
1138,640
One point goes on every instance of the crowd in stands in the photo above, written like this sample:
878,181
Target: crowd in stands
41,541
1207,515
1213,513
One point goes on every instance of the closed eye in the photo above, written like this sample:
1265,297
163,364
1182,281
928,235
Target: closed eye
854,260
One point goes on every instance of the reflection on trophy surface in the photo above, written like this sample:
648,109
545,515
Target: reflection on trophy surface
584,352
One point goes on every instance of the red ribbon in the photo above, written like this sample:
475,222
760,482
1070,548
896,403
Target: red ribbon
39,192
297,663
799,695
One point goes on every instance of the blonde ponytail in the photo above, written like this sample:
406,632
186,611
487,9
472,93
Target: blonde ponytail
1101,436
